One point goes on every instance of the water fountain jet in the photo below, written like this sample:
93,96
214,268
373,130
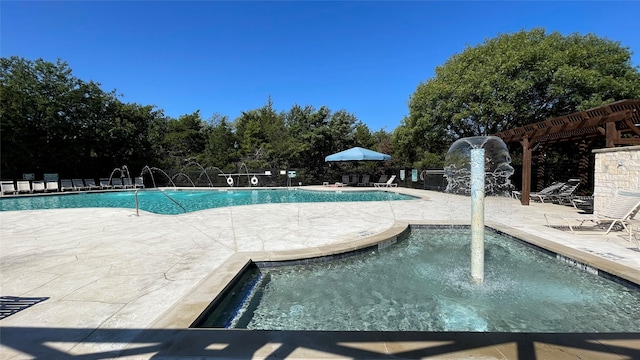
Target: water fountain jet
475,165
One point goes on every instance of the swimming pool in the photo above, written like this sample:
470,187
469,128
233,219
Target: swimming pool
181,201
422,284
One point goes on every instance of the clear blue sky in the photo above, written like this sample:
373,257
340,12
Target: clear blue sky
227,57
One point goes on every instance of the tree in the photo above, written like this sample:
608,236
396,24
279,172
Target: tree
514,80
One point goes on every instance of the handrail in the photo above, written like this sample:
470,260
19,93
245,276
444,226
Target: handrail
175,202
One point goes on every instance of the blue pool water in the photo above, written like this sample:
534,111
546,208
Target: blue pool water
422,284
160,202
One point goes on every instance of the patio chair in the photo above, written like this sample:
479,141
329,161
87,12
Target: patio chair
38,186
23,186
117,183
354,180
104,184
52,185
365,181
345,180
382,179
565,193
8,187
387,184
91,184
126,182
138,182
78,184
66,185
620,209
542,194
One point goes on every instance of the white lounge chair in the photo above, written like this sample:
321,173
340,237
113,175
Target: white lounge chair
23,186
387,184
52,185
38,186
8,188
624,205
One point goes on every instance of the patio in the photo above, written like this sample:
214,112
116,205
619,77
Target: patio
126,286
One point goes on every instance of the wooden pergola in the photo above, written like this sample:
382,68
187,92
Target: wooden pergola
610,121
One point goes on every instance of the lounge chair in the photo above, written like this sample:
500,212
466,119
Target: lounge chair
104,184
78,185
91,184
382,179
354,180
23,186
565,193
126,182
387,184
345,180
52,185
117,183
138,182
38,186
542,194
8,188
66,185
365,181
620,209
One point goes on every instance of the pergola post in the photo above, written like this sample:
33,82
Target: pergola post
526,171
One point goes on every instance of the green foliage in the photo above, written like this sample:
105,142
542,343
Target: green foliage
514,80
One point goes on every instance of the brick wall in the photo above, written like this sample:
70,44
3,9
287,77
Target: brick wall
615,168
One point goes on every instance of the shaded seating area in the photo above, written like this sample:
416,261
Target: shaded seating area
617,123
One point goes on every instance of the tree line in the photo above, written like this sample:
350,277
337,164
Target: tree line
52,121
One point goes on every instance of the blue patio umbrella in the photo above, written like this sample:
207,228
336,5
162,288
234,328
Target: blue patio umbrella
357,154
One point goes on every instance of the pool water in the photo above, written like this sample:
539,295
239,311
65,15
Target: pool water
181,201
422,284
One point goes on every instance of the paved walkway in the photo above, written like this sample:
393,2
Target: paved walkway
112,278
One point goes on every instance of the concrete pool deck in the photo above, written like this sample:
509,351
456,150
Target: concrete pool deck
113,280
